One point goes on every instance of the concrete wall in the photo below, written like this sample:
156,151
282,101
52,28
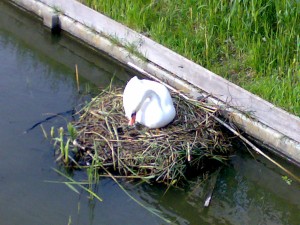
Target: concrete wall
273,126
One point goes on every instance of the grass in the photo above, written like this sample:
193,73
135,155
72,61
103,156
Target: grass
254,44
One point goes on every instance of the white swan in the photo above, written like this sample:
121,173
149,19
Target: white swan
148,102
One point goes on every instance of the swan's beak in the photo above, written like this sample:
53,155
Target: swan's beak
132,119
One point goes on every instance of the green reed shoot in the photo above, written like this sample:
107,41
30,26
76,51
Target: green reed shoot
64,146
72,132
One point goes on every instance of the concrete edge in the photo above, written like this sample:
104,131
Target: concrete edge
285,144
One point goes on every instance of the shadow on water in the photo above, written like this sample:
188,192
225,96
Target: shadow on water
37,80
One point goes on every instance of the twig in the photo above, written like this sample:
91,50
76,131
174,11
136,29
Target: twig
72,111
212,185
256,148
77,77
141,152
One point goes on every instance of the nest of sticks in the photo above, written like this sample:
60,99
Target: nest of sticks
165,154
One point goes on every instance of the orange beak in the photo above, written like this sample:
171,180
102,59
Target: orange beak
132,120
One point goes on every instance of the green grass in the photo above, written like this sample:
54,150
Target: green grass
253,43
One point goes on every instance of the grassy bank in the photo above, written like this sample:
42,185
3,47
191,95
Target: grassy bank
255,44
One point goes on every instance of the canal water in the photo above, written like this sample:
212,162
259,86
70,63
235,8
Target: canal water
37,81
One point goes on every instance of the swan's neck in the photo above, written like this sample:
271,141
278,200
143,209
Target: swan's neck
151,96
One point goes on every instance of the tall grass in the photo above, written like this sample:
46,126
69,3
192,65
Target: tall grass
253,43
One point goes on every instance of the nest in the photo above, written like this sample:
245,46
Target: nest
163,154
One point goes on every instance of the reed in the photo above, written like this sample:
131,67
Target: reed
63,140
104,140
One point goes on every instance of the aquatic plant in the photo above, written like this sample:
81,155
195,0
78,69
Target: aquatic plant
63,142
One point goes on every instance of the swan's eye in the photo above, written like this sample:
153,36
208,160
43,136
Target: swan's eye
133,114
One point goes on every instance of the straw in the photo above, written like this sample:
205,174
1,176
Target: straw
162,155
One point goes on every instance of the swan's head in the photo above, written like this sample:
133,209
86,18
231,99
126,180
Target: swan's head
132,119
134,104
132,99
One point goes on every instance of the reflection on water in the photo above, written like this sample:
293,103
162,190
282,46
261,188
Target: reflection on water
37,80
247,192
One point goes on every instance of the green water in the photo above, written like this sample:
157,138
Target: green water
37,80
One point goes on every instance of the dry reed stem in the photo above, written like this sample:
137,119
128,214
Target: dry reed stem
163,154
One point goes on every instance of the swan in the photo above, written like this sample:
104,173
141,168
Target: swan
148,102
